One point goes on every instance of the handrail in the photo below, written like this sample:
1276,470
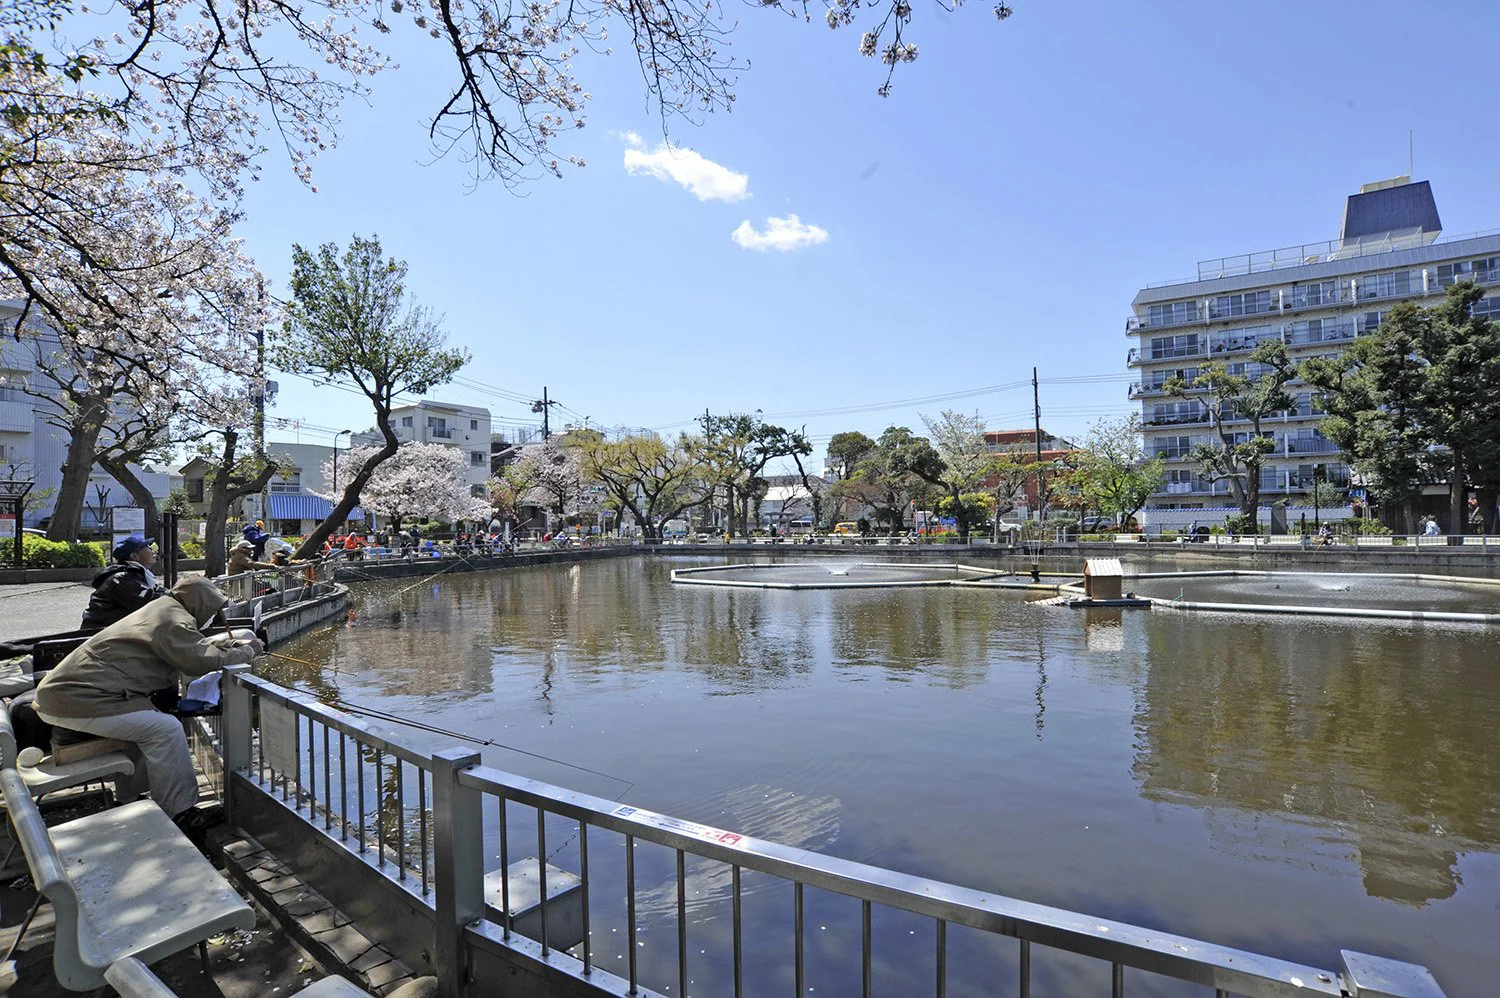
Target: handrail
1118,942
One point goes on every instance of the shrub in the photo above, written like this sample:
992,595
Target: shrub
1367,528
38,552
191,547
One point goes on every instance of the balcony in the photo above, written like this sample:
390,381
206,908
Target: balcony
1310,446
1178,420
1341,332
438,433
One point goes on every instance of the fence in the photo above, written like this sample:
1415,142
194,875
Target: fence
424,828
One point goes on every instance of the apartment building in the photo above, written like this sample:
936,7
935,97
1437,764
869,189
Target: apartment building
466,427
33,447
1316,298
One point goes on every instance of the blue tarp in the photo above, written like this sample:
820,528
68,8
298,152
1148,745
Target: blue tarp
301,507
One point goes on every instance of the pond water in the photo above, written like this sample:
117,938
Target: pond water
1290,786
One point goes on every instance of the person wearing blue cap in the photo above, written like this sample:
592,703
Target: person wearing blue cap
124,587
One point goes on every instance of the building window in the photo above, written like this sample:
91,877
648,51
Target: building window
1171,314
287,483
1167,347
473,424
406,421
194,488
1249,303
477,491
1311,295
476,458
1487,306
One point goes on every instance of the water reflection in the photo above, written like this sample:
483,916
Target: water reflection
1104,761
1385,734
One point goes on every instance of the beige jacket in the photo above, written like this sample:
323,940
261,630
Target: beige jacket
242,559
116,670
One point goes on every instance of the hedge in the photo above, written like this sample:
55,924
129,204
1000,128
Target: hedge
38,552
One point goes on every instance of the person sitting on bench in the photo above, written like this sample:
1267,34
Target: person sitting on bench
104,688
124,587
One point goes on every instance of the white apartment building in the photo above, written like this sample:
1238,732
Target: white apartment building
1316,298
32,448
466,427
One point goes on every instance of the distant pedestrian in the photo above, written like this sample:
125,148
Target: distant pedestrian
1430,526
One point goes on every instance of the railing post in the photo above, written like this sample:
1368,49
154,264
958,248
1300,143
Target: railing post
235,733
1367,976
458,855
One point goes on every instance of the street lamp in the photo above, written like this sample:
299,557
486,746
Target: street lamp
335,483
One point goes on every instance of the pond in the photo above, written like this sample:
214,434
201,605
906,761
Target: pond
1290,786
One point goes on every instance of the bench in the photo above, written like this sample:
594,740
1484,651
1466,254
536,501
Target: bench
42,776
123,883
1373,541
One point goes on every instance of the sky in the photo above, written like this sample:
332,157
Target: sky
841,261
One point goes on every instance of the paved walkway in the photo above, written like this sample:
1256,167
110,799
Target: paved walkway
41,608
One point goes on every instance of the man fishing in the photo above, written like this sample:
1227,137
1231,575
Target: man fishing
104,688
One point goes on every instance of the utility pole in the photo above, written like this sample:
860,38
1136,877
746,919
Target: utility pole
260,397
1041,487
544,405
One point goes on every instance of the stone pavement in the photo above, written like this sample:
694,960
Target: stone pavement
37,608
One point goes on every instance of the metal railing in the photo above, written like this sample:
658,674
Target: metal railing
434,824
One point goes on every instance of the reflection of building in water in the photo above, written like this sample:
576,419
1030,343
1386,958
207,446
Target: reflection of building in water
1383,736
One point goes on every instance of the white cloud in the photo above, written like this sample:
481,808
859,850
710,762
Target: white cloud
781,234
707,180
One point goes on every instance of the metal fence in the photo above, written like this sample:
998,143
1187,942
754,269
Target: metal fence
449,830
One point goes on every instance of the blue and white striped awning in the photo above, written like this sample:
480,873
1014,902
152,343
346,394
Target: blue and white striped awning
301,507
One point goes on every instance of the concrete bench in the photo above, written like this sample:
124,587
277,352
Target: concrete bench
1284,539
123,883
1373,542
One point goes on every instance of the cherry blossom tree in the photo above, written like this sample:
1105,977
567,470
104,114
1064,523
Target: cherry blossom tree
418,480
220,79
117,267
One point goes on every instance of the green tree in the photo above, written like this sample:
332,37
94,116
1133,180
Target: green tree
1420,395
846,450
644,475
1237,403
1110,472
350,319
735,450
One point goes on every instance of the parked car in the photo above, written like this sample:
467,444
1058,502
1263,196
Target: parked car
1098,525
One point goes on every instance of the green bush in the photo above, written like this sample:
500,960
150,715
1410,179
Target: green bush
1167,535
191,547
1367,528
38,552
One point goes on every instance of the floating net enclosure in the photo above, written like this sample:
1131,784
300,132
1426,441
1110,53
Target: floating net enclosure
1431,597
830,574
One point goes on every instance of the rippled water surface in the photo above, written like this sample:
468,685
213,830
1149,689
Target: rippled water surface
1291,786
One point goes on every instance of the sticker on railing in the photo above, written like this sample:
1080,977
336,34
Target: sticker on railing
278,737
678,825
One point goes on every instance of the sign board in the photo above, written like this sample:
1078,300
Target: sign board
278,737
127,519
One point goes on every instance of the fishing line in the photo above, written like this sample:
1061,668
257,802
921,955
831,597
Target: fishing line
381,715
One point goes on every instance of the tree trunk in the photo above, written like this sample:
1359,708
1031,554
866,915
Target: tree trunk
1458,494
313,543
72,494
139,494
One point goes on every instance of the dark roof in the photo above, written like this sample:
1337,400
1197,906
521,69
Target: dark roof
1409,206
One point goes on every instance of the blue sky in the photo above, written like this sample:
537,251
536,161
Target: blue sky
997,212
